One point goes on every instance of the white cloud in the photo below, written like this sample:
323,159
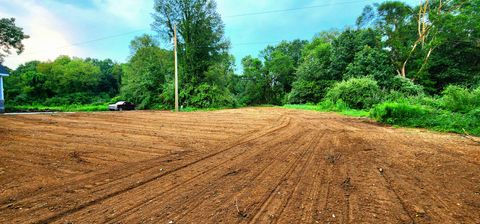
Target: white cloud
135,13
55,26
44,29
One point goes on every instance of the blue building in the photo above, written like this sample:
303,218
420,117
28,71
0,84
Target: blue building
3,72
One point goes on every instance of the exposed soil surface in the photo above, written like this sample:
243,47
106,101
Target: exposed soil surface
253,165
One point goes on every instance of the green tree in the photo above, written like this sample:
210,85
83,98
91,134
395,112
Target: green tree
313,76
281,62
372,62
110,76
19,85
347,44
215,90
292,49
455,58
146,73
11,36
201,41
255,84
62,81
71,75
394,21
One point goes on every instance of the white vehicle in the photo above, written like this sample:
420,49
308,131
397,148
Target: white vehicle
121,105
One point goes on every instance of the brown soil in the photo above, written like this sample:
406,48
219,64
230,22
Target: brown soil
254,165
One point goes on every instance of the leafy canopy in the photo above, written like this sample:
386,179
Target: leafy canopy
11,37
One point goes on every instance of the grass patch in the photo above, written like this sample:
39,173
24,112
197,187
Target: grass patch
329,107
405,114
302,107
62,108
408,115
195,109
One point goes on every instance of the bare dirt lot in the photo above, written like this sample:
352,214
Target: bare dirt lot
253,165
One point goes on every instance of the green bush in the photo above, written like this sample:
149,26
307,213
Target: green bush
212,96
337,106
460,99
79,98
357,93
405,86
61,108
406,114
399,113
308,91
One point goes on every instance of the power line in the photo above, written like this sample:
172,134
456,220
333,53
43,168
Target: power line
256,43
292,9
105,38
86,42
228,16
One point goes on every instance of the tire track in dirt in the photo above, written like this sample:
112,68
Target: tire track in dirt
150,161
256,176
284,121
421,202
311,198
201,177
400,199
313,168
270,165
242,178
302,174
43,155
262,209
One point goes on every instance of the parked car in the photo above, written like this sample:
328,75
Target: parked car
121,105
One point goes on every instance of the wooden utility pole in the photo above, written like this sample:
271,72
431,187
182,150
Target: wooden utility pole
176,66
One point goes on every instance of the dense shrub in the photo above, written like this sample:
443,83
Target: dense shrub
357,93
405,86
308,91
459,99
399,113
212,96
409,115
337,106
372,62
78,98
313,77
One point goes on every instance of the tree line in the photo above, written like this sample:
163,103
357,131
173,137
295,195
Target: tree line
404,50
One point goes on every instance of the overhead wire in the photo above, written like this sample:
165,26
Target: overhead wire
228,16
293,9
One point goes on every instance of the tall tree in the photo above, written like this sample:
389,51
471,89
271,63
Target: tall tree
292,49
146,73
313,75
201,38
393,20
11,36
451,51
281,62
110,77
372,62
256,85
347,44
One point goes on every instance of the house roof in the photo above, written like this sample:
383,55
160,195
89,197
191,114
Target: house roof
3,71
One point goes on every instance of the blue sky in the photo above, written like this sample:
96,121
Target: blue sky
103,28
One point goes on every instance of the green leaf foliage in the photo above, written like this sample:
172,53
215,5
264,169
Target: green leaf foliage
460,99
146,73
201,42
372,62
11,37
357,93
63,81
